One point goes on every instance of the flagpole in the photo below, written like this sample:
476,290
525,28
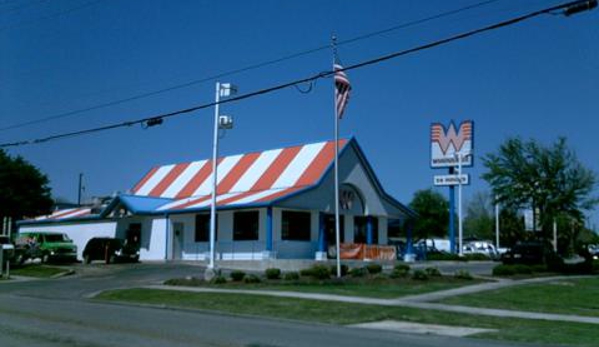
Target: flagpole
337,232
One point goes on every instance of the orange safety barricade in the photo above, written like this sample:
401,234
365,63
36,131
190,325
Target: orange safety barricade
376,252
361,251
351,251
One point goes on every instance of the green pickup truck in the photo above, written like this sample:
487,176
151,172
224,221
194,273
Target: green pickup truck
46,246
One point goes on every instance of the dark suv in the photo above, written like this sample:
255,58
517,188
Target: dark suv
110,250
525,253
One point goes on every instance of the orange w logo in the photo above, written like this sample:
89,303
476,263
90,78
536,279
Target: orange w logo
451,136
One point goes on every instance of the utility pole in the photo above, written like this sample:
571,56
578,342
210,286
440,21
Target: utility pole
80,189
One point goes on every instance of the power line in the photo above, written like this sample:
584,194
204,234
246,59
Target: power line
247,68
566,8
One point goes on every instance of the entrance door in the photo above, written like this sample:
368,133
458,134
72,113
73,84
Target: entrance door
178,231
329,229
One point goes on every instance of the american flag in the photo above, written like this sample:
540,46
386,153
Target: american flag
342,89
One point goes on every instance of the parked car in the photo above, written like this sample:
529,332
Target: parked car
46,246
110,250
7,247
525,253
481,247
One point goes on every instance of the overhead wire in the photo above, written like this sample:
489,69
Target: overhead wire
299,81
247,68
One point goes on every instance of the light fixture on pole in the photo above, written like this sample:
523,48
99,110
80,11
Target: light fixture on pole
496,223
220,122
460,158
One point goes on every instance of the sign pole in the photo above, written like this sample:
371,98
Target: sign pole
452,215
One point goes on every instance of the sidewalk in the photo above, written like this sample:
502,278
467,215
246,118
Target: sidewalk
416,301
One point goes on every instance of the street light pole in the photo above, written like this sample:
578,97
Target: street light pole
460,231
214,176
496,224
460,158
222,90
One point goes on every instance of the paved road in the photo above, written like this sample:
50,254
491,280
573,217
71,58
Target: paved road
57,313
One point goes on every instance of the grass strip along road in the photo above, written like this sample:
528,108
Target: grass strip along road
377,287
567,296
523,330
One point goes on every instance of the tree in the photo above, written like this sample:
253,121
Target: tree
480,219
549,180
24,190
433,214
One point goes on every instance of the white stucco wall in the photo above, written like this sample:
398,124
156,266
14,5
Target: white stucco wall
153,239
80,233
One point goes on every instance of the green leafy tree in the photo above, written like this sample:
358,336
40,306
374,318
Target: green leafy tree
550,180
480,219
511,227
433,214
24,190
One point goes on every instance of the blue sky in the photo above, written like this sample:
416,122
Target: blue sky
537,79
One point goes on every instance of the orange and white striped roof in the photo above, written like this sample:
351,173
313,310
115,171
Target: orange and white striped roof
69,213
242,179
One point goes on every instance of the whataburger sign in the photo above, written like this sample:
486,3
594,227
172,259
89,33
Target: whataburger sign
446,142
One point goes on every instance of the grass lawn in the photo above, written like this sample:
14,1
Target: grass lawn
569,296
384,288
37,270
571,334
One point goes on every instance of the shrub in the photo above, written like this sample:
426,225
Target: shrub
538,268
477,257
445,256
504,270
402,268
420,275
252,279
374,268
273,273
219,280
306,272
358,272
554,262
237,275
522,269
514,269
463,275
432,272
344,270
318,271
291,276
380,277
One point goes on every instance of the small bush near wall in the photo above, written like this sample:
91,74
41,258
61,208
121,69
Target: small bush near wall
463,275
358,272
321,272
432,272
252,279
344,270
374,268
504,270
273,273
400,270
291,276
443,256
477,257
237,275
318,271
420,275
219,280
